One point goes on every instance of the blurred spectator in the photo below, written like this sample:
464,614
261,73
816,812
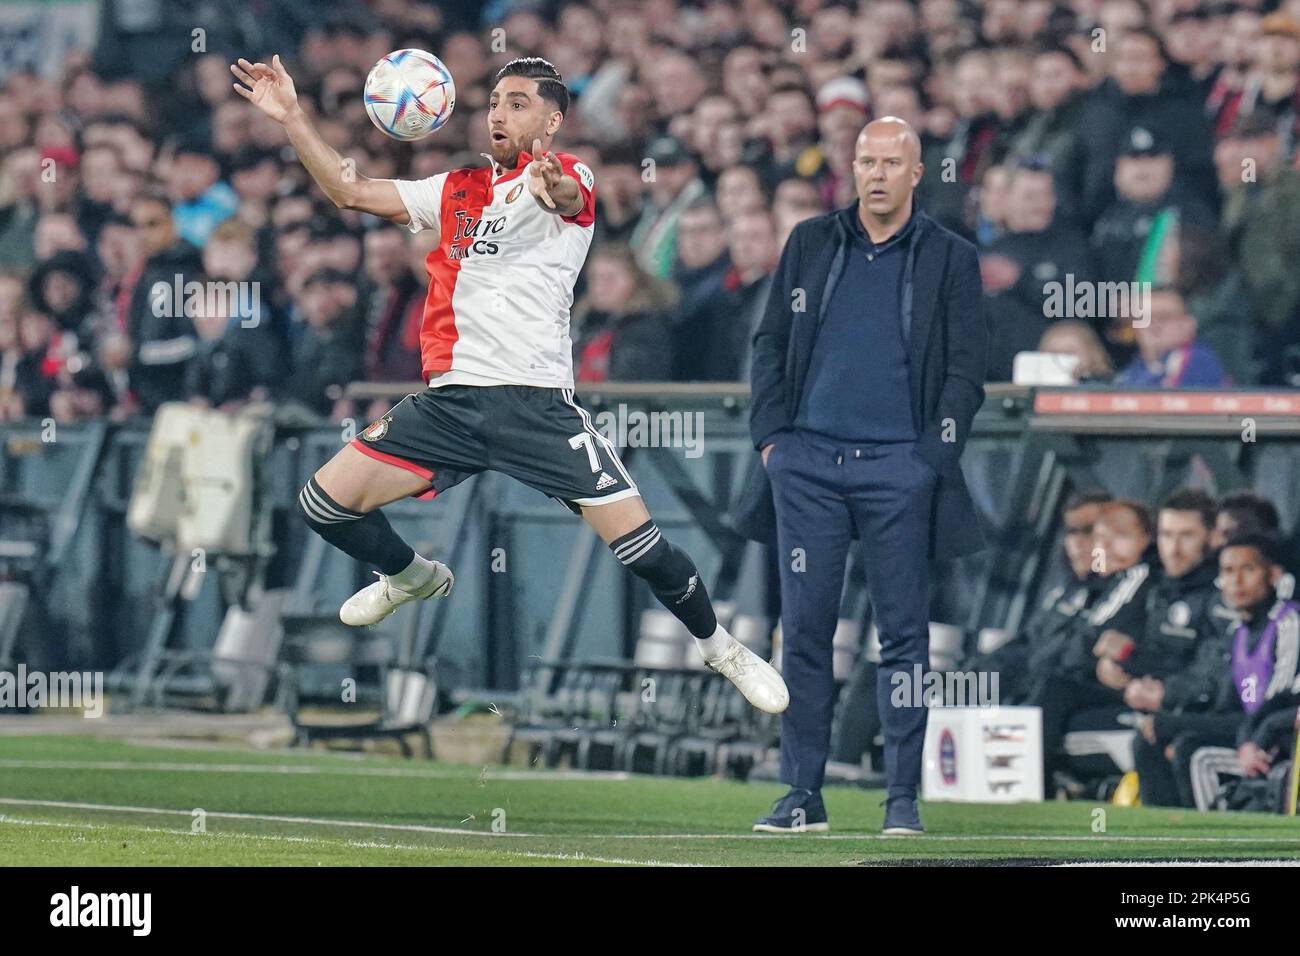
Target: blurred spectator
962,158
714,342
620,192
113,357
63,287
120,257
395,306
740,190
1146,213
1261,206
1269,87
234,363
1213,289
19,375
1078,340
155,318
991,205
1035,250
18,212
702,260
57,232
675,184
230,261
200,199
1191,45
713,122
789,122
255,177
1143,89
794,201
1053,131
842,111
44,356
621,330
101,188
326,350
1169,356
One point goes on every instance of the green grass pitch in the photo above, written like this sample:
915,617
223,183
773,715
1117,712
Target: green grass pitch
87,802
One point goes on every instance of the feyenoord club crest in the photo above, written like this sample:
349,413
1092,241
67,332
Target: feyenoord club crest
378,430
1179,614
514,193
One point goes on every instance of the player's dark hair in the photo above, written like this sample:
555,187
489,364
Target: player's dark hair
1267,545
1139,511
550,85
1251,512
1092,496
1192,499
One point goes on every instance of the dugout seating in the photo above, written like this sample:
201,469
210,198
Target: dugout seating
405,697
662,712
234,675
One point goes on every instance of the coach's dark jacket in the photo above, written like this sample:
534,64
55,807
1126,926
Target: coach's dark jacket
947,345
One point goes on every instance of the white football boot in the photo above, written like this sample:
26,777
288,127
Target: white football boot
374,602
758,680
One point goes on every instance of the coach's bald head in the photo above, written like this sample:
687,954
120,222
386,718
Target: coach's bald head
886,170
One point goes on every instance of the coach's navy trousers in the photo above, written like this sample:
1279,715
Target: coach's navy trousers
823,490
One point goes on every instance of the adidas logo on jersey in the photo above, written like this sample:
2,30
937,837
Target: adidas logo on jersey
605,481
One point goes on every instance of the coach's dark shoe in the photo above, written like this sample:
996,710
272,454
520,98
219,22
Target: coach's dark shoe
799,811
901,817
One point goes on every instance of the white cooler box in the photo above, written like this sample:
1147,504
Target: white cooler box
984,755
195,486
158,496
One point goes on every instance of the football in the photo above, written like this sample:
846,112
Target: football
409,94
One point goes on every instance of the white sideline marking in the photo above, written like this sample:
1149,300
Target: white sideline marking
457,831
548,775
1182,863
357,844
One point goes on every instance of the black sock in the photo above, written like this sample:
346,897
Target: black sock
672,577
369,538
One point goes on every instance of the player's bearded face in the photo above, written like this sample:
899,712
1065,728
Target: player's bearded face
516,117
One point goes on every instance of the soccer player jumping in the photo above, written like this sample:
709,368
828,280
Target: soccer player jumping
496,354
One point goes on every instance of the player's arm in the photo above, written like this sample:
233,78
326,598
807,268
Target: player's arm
271,90
554,190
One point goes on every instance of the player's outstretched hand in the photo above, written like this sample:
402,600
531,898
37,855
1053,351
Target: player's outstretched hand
544,174
269,88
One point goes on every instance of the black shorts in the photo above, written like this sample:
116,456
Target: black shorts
540,436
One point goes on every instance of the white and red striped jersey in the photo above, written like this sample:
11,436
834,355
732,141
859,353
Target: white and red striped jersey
501,278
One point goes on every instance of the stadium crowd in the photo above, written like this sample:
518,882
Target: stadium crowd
1090,141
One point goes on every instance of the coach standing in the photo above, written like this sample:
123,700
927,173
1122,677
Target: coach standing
868,369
